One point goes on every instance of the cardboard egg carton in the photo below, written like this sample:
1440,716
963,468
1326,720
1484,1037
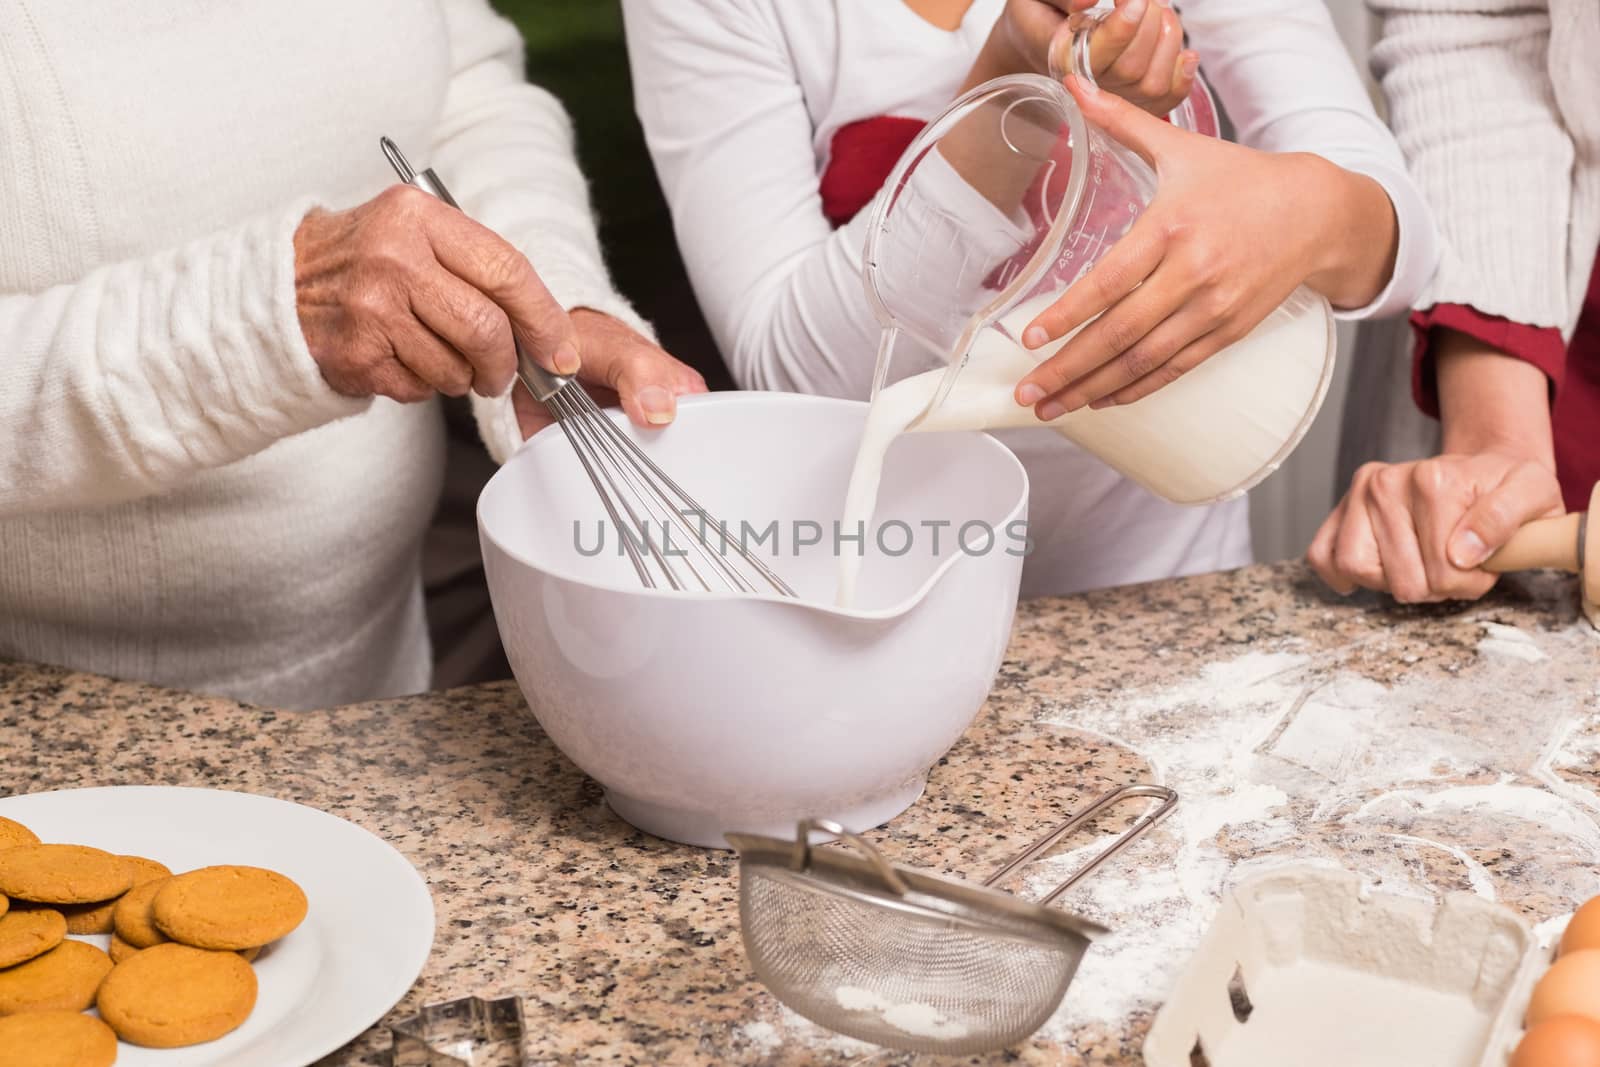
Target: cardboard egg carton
1301,966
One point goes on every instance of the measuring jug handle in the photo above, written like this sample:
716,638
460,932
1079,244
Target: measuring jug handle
1069,54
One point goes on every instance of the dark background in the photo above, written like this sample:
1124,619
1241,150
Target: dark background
576,50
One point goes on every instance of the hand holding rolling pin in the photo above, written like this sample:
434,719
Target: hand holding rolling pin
1444,528
1421,531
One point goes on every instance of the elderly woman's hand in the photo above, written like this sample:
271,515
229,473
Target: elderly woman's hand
619,366
405,296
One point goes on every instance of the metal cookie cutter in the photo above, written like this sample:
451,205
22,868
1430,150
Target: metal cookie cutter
470,1032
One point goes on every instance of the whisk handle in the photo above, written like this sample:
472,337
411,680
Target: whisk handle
540,382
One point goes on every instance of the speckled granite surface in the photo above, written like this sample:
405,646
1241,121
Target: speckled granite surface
1426,748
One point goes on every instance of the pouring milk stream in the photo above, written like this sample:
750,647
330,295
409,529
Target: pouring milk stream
999,205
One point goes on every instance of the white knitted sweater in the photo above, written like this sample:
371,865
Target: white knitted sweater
182,497
1497,106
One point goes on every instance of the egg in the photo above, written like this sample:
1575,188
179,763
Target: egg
1584,929
1563,1041
1570,987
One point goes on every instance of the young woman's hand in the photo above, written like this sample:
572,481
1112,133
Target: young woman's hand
1136,52
1419,531
619,367
1231,232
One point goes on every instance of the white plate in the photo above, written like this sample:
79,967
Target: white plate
361,947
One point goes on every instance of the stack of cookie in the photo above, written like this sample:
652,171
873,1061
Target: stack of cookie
178,972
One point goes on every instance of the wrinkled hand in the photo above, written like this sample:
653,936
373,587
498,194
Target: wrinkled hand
619,365
1420,530
1136,52
1225,240
404,296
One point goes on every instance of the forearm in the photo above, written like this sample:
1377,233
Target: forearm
1356,250
144,373
1492,402
997,58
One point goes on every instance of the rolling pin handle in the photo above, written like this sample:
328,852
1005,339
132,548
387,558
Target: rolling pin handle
1556,543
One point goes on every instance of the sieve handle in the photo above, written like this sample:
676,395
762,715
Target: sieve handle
802,852
1168,798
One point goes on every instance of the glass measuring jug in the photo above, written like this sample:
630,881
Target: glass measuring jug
1007,194
1000,205
1071,52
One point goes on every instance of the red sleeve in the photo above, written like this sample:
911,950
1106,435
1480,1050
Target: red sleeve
1541,346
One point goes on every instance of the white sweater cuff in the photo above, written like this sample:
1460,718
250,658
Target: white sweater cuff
1417,251
576,281
291,385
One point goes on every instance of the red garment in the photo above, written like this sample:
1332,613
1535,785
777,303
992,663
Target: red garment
859,161
863,153
1573,370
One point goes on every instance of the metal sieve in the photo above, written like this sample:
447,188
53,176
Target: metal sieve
911,960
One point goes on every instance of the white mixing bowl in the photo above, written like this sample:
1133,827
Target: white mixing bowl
701,713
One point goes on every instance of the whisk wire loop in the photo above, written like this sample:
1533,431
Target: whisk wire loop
633,489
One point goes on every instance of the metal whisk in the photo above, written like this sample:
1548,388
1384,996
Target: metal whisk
637,494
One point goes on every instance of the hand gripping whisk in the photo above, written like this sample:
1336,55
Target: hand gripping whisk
660,526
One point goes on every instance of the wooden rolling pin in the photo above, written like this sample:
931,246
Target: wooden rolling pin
1569,543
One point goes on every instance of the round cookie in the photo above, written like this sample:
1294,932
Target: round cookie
147,870
30,933
120,949
174,995
13,833
132,919
63,874
56,1039
228,907
63,979
97,918
87,918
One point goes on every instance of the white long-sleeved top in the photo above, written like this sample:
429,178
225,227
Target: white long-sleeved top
1497,105
740,100
182,497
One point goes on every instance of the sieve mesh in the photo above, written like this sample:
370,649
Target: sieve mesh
911,961
899,977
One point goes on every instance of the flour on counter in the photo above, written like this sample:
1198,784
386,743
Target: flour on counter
762,1035
1293,759
1502,640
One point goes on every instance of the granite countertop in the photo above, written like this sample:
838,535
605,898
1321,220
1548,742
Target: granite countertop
1430,749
